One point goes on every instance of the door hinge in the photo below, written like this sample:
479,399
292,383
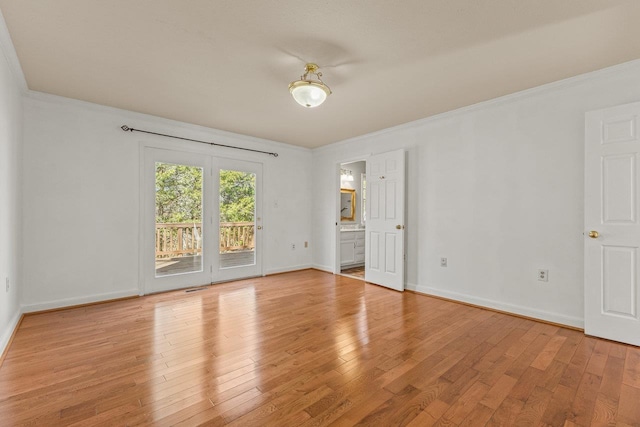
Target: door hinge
211,268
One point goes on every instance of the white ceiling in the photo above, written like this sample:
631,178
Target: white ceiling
227,64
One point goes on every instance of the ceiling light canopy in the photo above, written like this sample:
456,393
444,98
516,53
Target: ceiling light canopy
307,91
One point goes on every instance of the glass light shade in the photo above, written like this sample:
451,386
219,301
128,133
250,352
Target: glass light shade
309,93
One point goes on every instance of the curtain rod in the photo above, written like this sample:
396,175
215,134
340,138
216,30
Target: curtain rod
128,129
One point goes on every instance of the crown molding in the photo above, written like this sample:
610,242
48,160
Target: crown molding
9,51
134,117
502,100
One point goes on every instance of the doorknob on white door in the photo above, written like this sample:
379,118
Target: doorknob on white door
594,234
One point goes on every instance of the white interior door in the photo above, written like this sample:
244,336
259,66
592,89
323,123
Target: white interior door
612,234
384,248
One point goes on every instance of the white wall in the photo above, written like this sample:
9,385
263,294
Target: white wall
81,199
10,165
497,188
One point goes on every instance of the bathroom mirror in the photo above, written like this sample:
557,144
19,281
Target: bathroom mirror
347,204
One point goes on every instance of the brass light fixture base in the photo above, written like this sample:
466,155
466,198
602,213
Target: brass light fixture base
307,91
311,68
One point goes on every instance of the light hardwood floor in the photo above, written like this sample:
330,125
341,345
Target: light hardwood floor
310,348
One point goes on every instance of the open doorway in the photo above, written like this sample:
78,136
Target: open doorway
353,216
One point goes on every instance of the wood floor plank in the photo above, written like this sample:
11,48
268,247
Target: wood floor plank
463,406
507,413
598,358
629,405
431,414
605,411
309,349
478,416
546,356
558,410
386,413
408,410
499,392
632,367
534,408
586,395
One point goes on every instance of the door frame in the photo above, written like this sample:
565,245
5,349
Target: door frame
187,148
337,185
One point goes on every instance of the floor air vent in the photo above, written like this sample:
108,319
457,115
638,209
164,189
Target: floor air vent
195,289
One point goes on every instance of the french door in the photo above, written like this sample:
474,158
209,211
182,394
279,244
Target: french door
201,220
237,219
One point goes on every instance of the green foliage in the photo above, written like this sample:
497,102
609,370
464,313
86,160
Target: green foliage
237,196
179,194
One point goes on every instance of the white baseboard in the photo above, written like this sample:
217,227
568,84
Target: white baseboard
70,302
11,327
326,268
287,269
561,319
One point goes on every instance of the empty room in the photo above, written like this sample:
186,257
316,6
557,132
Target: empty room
344,213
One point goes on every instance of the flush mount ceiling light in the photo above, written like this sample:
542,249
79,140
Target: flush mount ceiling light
308,92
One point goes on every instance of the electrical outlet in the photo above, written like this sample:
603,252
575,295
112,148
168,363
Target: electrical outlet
293,246
543,275
443,262
7,281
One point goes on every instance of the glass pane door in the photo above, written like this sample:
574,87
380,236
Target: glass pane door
175,236
237,218
178,237
239,222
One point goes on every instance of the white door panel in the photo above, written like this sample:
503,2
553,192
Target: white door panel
612,258
384,249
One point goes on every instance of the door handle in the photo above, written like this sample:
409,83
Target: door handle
594,234
400,227
259,227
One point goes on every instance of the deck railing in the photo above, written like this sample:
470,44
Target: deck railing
236,236
178,239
